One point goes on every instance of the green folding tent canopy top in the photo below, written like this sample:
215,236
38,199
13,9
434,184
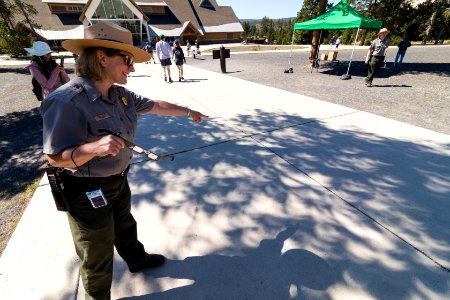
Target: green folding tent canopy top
340,16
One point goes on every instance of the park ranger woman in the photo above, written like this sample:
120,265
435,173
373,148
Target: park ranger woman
76,120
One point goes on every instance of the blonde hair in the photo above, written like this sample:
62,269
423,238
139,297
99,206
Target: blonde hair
87,65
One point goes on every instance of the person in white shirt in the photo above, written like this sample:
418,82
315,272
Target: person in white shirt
164,53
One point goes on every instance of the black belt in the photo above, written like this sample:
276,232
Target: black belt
96,180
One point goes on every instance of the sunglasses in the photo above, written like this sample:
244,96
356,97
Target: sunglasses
113,52
126,58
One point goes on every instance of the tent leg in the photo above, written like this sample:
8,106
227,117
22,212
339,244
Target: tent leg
292,46
289,69
347,76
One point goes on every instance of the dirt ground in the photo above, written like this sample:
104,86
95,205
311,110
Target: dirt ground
21,160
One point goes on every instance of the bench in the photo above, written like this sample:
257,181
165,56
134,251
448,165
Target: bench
325,60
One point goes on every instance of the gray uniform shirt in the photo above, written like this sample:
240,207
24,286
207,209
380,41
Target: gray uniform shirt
76,113
378,47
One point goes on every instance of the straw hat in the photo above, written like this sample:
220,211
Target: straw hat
39,49
383,30
107,35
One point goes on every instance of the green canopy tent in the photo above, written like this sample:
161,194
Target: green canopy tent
340,16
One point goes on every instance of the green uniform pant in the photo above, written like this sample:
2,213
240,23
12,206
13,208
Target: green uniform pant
374,66
96,231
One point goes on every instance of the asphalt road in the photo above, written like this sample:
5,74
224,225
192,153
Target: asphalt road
417,93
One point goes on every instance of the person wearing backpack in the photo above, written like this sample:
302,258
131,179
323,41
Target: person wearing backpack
178,55
47,74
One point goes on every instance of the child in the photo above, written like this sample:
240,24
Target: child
178,55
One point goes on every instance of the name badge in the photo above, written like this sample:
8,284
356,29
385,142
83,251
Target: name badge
97,198
102,117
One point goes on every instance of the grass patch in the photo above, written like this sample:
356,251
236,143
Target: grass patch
12,207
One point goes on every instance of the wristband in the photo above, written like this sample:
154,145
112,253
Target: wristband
188,112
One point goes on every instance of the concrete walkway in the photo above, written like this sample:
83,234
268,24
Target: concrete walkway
276,196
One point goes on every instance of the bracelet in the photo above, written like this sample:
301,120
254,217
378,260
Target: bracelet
189,112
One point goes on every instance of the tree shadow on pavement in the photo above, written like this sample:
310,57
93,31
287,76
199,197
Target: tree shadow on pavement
21,158
366,205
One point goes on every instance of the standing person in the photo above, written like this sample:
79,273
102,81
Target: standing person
338,42
164,52
197,46
95,163
332,42
149,49
188,47
376,54
48,74
402,47
178,55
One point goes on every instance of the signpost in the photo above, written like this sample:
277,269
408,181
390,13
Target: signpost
221,54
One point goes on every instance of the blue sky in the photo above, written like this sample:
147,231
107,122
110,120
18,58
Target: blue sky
257,9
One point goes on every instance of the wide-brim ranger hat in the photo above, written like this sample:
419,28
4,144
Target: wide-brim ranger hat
106,35
39,49
383,30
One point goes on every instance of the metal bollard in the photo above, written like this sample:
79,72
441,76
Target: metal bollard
222,54
223,65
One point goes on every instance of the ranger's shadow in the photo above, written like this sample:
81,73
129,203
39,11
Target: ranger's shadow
264,273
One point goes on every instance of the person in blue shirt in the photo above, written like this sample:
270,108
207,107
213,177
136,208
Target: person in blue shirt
402,47
149,49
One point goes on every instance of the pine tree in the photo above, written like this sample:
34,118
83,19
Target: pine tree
11,39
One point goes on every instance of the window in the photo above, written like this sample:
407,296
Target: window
66,9
58,8
113,9
206,4
74,8
189,30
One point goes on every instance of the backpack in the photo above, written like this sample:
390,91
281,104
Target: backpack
37,89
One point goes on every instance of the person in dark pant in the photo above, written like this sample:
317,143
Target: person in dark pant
402,47
376,55
76,120
178,55
164,52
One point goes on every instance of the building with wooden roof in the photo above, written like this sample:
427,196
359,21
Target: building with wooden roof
190,20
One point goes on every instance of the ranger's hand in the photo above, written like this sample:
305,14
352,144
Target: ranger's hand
197,116
109,145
